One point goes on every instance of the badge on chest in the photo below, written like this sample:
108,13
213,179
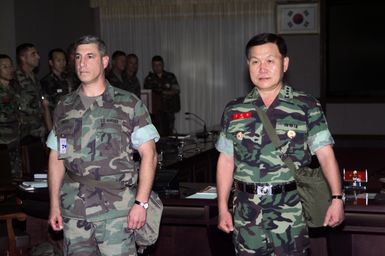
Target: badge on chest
63,145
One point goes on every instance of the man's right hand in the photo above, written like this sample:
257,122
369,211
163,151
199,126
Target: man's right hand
55,220
225,222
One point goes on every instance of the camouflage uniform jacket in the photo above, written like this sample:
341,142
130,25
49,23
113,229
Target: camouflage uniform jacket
169,103
96,142
9,123
299,122
115,80
55,87
30,108
132,84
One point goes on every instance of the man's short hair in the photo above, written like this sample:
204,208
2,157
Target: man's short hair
90,39
51,52
157,58
265,38
21,49
117,54
5,56
132,55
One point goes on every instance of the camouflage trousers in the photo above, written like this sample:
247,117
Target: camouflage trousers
269,225
108,237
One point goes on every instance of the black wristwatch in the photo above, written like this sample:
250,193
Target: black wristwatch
143,204
337,197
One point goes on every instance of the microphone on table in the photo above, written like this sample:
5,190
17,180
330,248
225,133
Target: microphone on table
203,134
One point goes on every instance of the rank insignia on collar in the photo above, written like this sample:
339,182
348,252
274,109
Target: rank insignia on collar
291,134
241,115
240,135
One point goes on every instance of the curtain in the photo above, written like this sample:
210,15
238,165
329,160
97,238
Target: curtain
202,42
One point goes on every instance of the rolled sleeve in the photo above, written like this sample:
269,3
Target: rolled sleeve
144,134
319,140
52,140
224,145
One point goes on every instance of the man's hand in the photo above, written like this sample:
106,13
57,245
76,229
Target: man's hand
55,219
136,217
335,213
225,222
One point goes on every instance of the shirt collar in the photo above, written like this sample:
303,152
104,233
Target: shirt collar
285,94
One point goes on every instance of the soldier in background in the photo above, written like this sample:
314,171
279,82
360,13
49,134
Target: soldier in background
94,201
71,76
131,81
268,218
55,84
9,121
33,107
166,87
118,66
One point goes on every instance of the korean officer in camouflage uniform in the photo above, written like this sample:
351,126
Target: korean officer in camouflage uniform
91,169
9,121
271,223
55,84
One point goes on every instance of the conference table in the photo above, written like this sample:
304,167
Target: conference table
187,224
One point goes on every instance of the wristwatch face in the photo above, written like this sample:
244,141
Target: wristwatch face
143,204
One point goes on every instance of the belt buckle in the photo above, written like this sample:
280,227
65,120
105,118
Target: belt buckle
265,190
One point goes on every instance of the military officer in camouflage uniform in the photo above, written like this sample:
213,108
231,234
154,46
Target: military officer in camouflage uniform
95,131
270,222
131,81
33,108
9,121
55,84
118,66
165,86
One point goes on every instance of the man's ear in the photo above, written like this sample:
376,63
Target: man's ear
285,63
50,63
105,61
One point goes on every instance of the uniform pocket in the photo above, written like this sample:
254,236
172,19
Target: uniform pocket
293,133
109,139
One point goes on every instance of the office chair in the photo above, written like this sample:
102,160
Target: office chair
13,240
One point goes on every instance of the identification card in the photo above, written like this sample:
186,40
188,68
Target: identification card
63,145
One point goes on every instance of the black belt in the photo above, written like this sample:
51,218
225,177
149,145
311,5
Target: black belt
264,189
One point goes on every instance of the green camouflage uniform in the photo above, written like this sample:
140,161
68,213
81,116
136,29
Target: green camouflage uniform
30,108
268,225
97,142
9,126
54,88
164,116
132,84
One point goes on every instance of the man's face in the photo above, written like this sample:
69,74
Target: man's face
266,66
132,65
157,67
31,57
120,63
6,69
58,62
90,64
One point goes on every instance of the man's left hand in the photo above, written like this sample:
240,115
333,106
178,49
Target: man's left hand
136,217
335,213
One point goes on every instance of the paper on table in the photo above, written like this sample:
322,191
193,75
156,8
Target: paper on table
29,185
209,192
